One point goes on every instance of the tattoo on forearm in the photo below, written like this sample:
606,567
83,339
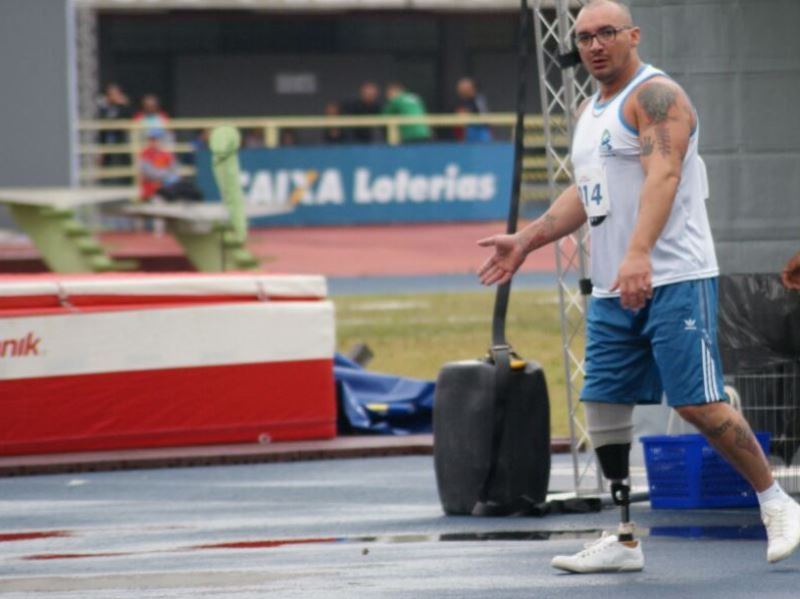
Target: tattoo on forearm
647,146
656,99
548,225
544,232
718,431
746,440
663,140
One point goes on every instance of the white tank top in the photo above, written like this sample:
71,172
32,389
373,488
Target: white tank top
609,175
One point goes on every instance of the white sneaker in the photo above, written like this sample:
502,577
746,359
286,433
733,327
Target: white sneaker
781,518
606,554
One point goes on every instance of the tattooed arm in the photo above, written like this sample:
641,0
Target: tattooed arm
564,216
664,117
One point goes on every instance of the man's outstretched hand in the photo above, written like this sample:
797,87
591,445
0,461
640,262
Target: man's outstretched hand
791,272
509,254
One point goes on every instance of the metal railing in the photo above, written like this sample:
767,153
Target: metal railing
96,168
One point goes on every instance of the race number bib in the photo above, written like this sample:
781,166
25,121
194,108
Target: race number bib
593,190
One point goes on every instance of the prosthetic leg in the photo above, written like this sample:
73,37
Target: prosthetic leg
614,460
611,430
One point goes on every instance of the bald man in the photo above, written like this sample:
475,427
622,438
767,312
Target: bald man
651,323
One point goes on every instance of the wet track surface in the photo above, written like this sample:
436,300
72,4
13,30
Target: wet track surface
343,528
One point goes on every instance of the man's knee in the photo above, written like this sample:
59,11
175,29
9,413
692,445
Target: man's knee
691,414
701,415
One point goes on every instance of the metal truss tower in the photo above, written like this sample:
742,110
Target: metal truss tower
86,52
87,71
562,89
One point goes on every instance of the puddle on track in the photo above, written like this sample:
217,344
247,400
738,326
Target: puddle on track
29,536
745,533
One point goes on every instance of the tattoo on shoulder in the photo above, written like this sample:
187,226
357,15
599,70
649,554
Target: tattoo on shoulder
656,99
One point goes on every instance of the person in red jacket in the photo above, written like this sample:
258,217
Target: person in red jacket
158,166
151,116
159,176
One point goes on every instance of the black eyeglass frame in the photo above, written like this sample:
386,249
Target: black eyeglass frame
584,40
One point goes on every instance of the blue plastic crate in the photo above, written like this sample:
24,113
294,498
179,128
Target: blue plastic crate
684,471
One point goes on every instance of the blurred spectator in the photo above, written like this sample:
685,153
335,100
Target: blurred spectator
368,103
159,172
471,102
288,137
333,135
252,138
200,142
113,104
152,117
404,103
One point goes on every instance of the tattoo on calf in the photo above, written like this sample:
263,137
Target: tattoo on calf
657,99
647,146
720,430
746,440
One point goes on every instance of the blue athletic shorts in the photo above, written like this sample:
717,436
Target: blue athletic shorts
669,346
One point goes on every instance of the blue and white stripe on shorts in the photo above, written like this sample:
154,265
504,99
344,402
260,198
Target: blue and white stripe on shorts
669,347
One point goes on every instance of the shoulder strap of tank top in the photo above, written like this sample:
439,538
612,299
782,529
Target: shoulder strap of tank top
597,105
645,74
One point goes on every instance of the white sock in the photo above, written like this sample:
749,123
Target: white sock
771,494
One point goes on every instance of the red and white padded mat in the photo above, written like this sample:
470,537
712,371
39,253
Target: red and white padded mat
94,362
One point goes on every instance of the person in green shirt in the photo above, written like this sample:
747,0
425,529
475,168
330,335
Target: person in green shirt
404,103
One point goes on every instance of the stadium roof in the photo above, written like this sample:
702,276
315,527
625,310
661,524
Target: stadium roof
307,5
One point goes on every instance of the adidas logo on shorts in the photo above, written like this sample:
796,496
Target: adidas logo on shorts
690,324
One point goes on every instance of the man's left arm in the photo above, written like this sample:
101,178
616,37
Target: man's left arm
665,119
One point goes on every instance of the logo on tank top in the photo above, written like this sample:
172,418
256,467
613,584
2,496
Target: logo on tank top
605,144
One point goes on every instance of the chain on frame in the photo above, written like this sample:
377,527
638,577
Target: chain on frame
561,93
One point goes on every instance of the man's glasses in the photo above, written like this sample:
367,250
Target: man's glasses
605,36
